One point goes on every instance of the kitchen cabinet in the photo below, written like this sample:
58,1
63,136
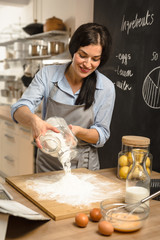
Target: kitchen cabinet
20,46
0,145
26,150
17,151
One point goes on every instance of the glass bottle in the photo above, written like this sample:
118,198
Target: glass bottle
138,179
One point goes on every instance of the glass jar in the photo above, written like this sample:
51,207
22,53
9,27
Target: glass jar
61,145
125,159
55,47
34,48
43,48
51,144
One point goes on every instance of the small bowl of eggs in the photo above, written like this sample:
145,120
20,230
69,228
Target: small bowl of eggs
122,217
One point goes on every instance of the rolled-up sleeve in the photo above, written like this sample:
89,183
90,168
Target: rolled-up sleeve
103,109
39,89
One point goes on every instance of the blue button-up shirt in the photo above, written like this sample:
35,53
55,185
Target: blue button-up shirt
42,84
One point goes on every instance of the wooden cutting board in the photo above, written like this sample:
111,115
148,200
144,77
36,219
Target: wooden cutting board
53,208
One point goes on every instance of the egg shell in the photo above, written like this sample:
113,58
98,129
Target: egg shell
81,220
95,214
105,228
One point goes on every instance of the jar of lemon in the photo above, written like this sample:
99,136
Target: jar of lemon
125,159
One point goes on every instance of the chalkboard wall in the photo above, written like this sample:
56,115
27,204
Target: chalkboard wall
134,67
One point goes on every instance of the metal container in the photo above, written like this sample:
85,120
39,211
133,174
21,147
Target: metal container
13,89
4,92
17,93
55,48
18,46
34,48
43,50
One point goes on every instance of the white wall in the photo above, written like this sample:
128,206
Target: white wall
12,19
72,12
15,14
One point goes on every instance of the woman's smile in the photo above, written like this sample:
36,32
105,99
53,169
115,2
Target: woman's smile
86,60
84,70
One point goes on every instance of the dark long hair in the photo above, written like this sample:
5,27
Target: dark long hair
86,34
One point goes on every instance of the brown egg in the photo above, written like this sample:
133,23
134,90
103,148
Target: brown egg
105,228
95,214
81,219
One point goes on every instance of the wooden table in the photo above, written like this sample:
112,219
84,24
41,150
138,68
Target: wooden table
22,229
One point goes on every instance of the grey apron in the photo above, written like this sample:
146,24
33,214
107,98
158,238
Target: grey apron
87,156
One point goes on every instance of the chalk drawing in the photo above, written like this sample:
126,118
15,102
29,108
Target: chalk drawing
151,89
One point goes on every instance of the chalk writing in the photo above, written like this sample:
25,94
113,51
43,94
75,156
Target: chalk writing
154,56
123,85
137,22
124,57
124,73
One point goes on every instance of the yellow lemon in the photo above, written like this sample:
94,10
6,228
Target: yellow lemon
138,172
123,172
149,171
148,162
123,160
130,159
140,157
130,167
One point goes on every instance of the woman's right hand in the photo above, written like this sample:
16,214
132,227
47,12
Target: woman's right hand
40,127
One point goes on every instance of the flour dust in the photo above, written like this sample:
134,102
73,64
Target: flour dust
76,189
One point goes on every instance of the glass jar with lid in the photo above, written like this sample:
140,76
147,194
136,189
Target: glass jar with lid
125,157
34,48
43,48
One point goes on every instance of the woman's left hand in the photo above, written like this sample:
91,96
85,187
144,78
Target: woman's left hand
74,129
87,135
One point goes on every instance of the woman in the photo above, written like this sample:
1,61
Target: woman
77,92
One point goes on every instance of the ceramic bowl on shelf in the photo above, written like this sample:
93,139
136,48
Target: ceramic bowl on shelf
54,23
122,219
33,28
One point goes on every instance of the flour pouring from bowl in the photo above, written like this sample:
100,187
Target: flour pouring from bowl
61,145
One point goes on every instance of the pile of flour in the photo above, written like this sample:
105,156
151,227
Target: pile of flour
76,189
